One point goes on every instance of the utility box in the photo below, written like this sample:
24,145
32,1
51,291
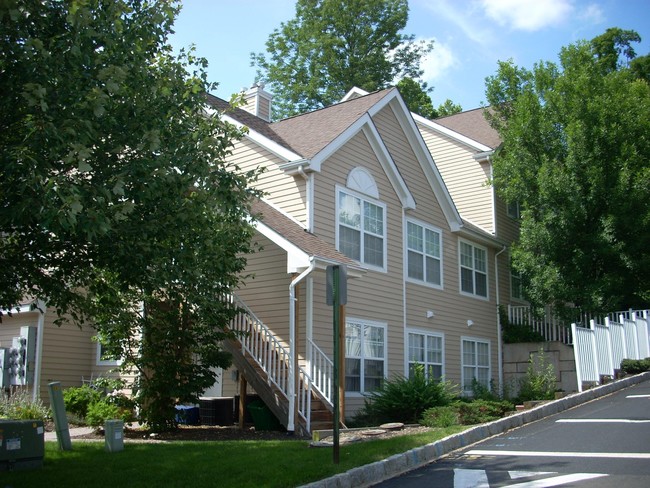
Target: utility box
22,444
114,435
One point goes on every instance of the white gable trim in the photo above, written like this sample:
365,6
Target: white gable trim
366,125
271,146
354,91
297,259
423,155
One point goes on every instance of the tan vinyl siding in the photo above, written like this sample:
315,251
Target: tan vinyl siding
68,352
267,291
377,296
465,178
451,309
286,192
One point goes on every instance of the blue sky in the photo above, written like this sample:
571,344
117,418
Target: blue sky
470,36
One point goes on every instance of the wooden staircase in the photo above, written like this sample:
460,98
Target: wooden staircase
264,362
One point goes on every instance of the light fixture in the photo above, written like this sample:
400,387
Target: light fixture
430,314
470,323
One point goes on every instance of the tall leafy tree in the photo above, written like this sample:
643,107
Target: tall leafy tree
331,46
417,99
575,155
116,204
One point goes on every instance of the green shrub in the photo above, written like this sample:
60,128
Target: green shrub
440,417
100,412
404,399
482,392
481,411
515,333
635,366
20,406
466,412
93,404
78,399
540,381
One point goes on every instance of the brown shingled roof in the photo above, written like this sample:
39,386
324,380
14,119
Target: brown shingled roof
309,133
298,236
248,119
472,124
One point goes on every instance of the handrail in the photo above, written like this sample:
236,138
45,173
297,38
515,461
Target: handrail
271,356
321,371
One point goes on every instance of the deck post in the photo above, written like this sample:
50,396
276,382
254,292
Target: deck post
242,401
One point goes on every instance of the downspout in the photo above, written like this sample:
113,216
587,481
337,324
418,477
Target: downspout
308,197
292,343
494,198
38,360
499,334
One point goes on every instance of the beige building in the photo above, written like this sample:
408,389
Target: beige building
405,205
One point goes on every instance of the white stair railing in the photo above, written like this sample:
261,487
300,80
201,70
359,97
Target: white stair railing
272,357
321,371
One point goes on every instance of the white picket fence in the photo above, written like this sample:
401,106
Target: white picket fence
599,349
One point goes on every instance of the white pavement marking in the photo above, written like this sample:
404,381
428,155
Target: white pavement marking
557,480
614,455
638,396
470,478
515,475
603,421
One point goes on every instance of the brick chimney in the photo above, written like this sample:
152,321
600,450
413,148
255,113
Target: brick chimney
258,101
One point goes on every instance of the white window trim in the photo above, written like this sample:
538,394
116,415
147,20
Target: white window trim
406,256
101,362
462,360
356,194
487,272
364,322
424,332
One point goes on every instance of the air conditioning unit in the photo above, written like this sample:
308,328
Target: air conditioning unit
22,444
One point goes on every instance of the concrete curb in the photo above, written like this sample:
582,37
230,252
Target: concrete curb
370,474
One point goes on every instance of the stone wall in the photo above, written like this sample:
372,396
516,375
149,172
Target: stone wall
516,361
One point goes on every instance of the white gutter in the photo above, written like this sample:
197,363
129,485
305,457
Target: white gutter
499,334
292,344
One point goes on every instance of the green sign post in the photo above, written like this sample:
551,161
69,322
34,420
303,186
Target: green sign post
336,296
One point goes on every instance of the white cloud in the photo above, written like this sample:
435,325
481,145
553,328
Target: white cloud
593,14
528,15
460,15
438,61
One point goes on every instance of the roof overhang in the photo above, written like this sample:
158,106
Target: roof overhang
297,259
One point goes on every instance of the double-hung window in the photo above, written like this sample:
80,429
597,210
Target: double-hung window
424,256
365,355
473,270
361,229
476,363
426,349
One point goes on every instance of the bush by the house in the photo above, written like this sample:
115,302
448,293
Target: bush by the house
515,333
635,366
78,399
98,402
466,412
540,381
20,406
404,399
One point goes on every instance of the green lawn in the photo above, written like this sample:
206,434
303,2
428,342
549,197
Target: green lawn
238,464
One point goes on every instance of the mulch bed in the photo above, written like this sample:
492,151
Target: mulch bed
233,433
